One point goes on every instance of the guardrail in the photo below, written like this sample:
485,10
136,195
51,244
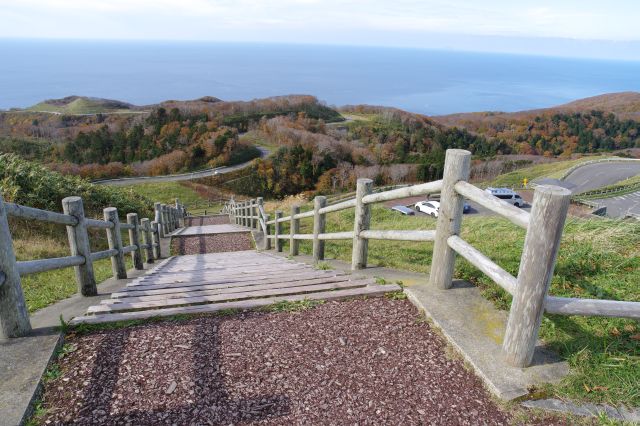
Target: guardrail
144,239
597,193
601,160
529,289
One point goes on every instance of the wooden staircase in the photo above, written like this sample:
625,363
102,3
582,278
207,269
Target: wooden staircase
214,282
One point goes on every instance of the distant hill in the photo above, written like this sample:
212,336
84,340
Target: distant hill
600,123
81,105
625,105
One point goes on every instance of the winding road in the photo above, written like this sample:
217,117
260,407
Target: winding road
596,175
183,176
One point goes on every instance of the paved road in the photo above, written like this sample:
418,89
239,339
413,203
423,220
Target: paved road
475,210
185,176
597,175
620,206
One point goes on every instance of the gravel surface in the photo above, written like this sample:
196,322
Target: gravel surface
211,243
353,362
206,220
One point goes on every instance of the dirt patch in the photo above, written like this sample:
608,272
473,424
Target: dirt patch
354,362
211,243
206,220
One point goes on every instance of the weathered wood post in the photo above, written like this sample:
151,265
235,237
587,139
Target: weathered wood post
163,220
294,228
14,316
157,207
146,233
278,231
134,240
267,240
259,210
360,250
245,214
114,238
541,244
79,245
155,239
457,165
180,217
319,221
252,213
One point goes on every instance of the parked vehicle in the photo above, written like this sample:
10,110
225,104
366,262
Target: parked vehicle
428,207
403,210
506,194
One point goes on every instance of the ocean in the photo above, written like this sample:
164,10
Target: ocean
425,81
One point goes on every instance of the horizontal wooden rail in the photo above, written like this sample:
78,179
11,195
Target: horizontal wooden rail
42,265
302,215
102,224
129,249
399,235
409,191
126,226
298,237
483,263
103,254
339,206
588,307
496,205
25,212
336,236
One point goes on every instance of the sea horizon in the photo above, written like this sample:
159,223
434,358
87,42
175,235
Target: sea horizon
427,81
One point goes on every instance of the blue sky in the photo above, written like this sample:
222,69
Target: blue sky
586,28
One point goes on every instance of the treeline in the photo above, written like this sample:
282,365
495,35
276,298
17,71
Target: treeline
557,134
390,146
34,185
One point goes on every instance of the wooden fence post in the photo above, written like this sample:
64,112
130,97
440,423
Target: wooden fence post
548,214
79,245
319,221
146,233
267,240
179,214
259,205
134,240
457,165
157,207
278,231
14,316
155,239
294,245
360,250
114,238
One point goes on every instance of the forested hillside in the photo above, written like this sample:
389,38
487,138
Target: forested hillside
598,124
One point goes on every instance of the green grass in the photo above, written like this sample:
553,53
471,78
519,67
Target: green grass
81,105
166,192
549,170
597,259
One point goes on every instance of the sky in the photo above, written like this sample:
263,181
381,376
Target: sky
583,28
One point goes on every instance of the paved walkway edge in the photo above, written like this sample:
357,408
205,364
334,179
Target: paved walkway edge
23,361
587,410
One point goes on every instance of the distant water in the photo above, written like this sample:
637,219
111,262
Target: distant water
425,81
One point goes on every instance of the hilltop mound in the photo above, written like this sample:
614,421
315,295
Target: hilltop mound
81,105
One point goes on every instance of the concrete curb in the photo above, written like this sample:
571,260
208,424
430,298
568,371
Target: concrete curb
587,410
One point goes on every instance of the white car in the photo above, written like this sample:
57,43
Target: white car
506,194
428,207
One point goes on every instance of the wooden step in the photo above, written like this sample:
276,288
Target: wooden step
169,302
369,291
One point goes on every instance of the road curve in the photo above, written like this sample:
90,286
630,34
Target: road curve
183,176
596,175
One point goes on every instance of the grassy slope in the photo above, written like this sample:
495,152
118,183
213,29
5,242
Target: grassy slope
598,259
167,192
78,106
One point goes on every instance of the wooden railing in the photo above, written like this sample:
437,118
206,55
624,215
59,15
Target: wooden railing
144,240
529,289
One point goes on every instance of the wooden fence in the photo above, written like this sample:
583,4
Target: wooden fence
529,289
144,241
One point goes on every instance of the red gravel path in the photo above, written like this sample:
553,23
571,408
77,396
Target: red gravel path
211,243
353,362
206,220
